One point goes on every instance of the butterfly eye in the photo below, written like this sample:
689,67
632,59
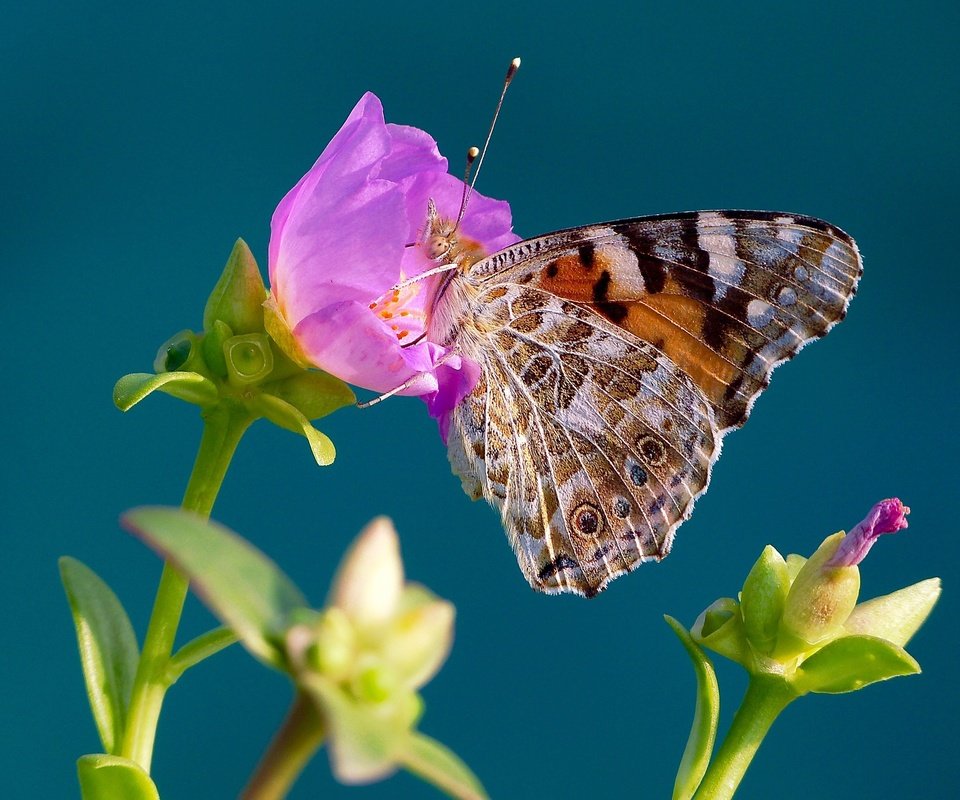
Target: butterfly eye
438,245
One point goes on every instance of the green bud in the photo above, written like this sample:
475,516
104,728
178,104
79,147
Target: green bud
375,682
762,599
720,627
213,341
794,565
237,299
819,602
176,354
249,358
334,652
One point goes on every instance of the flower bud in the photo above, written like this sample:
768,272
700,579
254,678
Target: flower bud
176,353
249,358
334,652
819,602
370,578
825,591
720,627
762,599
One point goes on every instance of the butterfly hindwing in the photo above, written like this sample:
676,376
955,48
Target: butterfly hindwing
727,295
592,443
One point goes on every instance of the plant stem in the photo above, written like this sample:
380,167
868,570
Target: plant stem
766,697
296,741
224,425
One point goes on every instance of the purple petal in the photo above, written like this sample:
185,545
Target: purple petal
887,516
340,240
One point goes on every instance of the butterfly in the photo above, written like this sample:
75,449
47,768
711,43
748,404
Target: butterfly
614,359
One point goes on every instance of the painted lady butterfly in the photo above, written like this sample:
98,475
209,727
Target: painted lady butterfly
614,359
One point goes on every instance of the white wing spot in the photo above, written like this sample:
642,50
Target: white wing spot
787,296
759,313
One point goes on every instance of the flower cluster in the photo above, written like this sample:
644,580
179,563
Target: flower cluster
378,640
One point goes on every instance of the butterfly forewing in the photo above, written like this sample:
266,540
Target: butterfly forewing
613,359
727,295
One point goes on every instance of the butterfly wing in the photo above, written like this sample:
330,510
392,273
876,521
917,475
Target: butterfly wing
727,295
615,357
591,442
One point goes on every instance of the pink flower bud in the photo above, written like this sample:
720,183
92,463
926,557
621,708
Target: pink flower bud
887,516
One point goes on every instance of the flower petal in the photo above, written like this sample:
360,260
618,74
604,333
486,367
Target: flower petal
887,516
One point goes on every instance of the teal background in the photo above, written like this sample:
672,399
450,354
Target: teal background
138,143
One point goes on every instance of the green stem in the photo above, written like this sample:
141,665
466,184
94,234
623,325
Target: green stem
296,741
224,425
766,697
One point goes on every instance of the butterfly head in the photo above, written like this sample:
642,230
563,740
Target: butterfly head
444,242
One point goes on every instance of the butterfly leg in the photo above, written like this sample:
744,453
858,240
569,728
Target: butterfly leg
410,383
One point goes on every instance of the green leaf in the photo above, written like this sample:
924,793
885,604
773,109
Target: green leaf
895,617
238,297
108,648
241,586
703,732
852,662
199,649
104,777
762,599
314,394
364,745
438,765
189,386
286,416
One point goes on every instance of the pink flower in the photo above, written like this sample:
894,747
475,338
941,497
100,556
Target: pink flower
343,237
887,516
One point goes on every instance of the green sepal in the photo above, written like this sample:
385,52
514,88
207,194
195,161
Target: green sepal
439,766
104,777
178,354
281,413
720,627
240,585
794,565
189,386
852,662
108,648
365,740
213,347
762,598
896,616
314,394
703,731
249,358
238,297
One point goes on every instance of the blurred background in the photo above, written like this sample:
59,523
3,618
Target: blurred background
138,142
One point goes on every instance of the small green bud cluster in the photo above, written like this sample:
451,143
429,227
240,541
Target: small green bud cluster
798,618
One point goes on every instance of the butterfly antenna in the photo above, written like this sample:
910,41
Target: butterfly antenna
472,154
511,71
